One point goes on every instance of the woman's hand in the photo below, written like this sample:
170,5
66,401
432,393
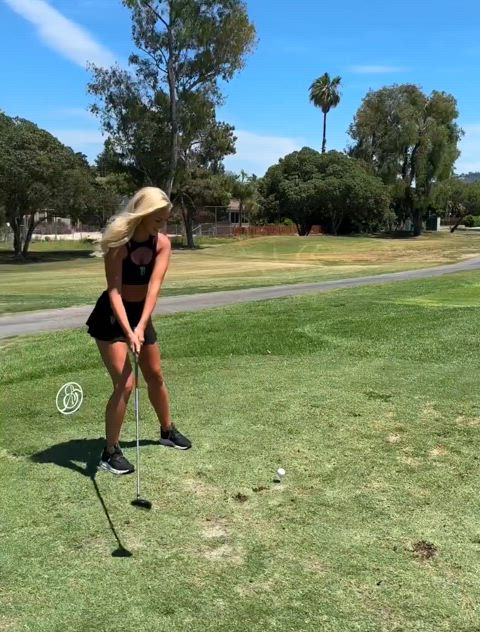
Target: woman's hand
139,331
134,342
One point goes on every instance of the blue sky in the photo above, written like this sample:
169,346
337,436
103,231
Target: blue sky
44,45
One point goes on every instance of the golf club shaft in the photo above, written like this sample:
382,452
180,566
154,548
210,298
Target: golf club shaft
137,422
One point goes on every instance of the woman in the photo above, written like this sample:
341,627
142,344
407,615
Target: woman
136,261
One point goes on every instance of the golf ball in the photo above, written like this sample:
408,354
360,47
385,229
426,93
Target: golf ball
280,472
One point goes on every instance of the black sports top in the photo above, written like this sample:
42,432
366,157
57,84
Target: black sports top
138,265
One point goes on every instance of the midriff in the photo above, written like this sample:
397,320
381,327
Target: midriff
134,293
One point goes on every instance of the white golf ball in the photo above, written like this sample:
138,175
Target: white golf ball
280,472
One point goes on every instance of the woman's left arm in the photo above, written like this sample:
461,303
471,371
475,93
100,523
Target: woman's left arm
162,259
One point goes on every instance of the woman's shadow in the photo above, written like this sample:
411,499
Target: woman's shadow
83,456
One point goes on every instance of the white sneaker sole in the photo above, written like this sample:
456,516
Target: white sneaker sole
169,444
108,468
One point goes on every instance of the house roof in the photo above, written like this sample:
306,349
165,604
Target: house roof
234,205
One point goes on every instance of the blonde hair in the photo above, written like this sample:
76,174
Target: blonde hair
121,227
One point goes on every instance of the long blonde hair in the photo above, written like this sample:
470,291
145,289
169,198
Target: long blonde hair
121,227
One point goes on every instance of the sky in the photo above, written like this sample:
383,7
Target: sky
45,44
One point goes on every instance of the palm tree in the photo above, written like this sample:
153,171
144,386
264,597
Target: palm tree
325,94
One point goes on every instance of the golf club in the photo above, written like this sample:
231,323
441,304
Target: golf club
138,502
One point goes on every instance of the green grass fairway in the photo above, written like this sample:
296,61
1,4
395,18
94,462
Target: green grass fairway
61,277
368,398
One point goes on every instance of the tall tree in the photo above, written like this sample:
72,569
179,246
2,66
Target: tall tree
325,94
410,140
183,49
200,180
38,174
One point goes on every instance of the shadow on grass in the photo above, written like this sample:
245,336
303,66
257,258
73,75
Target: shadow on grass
405,235
86,451
51,256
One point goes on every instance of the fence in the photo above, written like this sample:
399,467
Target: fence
234,230
271,230
207,229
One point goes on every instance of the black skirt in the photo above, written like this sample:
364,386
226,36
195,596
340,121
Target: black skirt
102,324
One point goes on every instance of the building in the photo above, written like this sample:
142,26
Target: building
234,218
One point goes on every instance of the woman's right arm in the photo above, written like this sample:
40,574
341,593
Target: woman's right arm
113,271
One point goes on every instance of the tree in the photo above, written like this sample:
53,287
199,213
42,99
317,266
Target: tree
184,48
205,143
457,198
330,189
244,189
410,140
325,94
110,162
200,189
39,175
200,180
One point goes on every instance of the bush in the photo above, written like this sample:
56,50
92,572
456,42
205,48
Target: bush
469,221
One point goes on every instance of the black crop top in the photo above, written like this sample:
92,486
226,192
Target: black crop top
138,265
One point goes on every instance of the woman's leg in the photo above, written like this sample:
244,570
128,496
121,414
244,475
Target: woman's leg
115,358
150,365
158,394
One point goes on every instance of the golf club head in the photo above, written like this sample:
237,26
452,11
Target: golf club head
142,503
121,552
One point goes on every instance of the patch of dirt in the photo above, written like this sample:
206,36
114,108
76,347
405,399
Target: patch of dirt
314,565
468,422
223,553
394,438
438,451
240,498
429,410
201,488
424,550
215,529
409,460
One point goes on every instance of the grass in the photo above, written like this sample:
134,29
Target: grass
62,278
367,397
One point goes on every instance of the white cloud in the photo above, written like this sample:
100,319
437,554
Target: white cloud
470,148
376,70
255,152
61,34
